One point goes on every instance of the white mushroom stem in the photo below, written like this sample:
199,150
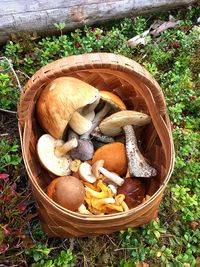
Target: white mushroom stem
90,116
83,210
112,176
91,107
113,188
97,119
62,149
138,167
79,123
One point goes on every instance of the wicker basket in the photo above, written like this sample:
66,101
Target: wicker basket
140,92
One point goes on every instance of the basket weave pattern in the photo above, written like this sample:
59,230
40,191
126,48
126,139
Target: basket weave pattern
139,91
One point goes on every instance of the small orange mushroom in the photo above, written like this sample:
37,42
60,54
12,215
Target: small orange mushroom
114,156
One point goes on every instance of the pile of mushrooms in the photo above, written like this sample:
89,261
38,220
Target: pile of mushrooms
90,145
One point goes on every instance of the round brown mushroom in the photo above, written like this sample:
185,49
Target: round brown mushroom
134,191
67,191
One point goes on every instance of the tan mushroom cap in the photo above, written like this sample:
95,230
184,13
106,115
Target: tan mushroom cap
113,124
59,100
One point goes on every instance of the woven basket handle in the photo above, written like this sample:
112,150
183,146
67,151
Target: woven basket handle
94,61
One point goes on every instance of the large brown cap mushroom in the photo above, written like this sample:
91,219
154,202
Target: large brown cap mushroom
59,100
67,191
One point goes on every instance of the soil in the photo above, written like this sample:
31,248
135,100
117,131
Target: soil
8,126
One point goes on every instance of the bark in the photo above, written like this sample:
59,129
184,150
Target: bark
40,15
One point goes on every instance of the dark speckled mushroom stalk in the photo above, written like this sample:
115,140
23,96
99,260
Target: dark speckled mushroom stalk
137,164
123,120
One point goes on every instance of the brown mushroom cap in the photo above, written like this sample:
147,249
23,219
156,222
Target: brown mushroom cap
134,191
67,191
59,100
109,96
114,156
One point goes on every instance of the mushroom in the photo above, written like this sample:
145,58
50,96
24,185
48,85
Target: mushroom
67,191
114,156
97,134
61,102
114,124
97,119
98,168
134,191
53,154
104,193
113,98
83,151
79,123
85,172
119,204
101,203
83,210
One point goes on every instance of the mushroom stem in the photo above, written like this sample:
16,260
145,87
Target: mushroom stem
97,119
90,107
79,123
138,167
97,134
62,149
112,176
83,210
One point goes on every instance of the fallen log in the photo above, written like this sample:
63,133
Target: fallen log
40,15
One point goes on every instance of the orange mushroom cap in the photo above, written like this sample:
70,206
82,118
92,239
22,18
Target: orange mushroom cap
114,98
114,156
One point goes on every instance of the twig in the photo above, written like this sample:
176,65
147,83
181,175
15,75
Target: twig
5,134
71,246
26,75
11,67
118,249
111,240
8,111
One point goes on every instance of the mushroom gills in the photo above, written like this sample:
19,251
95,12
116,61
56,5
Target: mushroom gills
58,165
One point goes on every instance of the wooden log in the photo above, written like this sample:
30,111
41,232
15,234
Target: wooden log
40,15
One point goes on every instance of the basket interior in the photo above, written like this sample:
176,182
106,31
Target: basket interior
148,138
